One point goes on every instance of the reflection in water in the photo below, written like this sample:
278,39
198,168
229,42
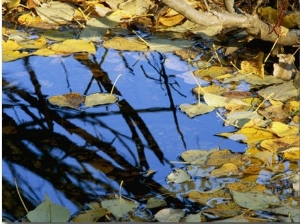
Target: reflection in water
76,156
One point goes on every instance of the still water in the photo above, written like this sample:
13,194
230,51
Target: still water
76,156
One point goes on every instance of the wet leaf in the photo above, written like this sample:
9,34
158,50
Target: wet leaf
59,35
178,176
56,12
155,203
168,45
134,7
281,129
72,100
10,45
278,144
254,200
171,20
197,156
227,169
49,212
72,46
226,156
119,207
100,99
254,65
251,136
193,110
44,52
169,215
246,187
90,215
125,44
9,55
213,71
292,154
213,89
281,92
220,101
194,217
223,210
204,197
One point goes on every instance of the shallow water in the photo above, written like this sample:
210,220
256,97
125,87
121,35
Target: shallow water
75,156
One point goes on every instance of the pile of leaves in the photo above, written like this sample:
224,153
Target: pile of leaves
261,184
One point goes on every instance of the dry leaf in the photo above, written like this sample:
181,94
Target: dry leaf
72,100
227,169
254,66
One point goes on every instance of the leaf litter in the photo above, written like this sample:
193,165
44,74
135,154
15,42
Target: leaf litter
250,181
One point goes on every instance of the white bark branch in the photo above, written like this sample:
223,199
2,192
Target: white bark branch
253,25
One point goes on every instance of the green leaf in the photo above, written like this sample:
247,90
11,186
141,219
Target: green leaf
155,203
49,212
193,110
90,215
100,99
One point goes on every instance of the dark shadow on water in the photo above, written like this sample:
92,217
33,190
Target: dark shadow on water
77,156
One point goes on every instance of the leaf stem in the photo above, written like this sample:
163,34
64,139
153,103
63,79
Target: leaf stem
112,89
20,195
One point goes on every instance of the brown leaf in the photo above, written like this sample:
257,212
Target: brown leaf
254,65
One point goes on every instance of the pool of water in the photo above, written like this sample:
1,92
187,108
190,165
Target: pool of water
76,156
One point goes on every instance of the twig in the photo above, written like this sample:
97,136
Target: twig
271,49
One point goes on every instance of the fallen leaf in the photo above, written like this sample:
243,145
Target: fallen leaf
221,157
254,200
100,99
119,207
220,101
56,12
49,212
213,89
281,129
193,110
246,187
292,154
178,176
90,215
125,44
9,55
197,156
227,169
73,45
155,203
280,92
72,100
254,65
203,197
169,215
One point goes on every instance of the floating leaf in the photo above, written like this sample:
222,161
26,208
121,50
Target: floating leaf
9,55
220,101
72,100
100,99
281,92
213,89
49,212
73,46
168,45
254,200
227,169
119,207
125,44
246,187
225,156
193,110
197,156
91,215
155,203
169,215
178,176
234,117
204,197
282,130
194,217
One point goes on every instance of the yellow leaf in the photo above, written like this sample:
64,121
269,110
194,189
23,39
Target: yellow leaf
281,129
44,52
214,89
246,186
220,101
213,71
278,144
251,136
292,154
34,44
203,197
10,45
72,46
125,44
171,21
227,169
221,157
9,55
254,66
